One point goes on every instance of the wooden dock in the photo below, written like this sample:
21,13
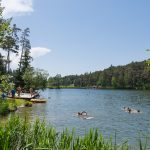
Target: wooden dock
26,96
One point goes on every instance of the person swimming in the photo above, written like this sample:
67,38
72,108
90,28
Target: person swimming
83,113
131,110
79,113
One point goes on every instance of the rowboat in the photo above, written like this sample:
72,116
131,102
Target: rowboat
38,100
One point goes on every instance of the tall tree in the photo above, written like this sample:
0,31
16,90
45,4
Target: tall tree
25,58
8,38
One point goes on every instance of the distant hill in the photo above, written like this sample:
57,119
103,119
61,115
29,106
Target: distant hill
130,76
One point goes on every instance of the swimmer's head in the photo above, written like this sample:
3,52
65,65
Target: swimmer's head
79,113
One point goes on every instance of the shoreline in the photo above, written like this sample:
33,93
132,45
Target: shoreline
96,88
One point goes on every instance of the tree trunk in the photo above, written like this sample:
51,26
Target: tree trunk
8,62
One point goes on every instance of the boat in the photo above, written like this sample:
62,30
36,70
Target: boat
38,100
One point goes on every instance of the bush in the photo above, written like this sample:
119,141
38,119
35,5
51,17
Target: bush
4,107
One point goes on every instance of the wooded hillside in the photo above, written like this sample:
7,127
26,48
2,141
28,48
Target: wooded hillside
131,76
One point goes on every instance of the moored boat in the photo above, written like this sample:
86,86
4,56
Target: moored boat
38,100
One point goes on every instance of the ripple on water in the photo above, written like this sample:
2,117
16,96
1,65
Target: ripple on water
104,105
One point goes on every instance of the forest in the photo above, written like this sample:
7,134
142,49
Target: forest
135,75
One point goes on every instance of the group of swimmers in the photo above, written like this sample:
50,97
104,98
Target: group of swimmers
131,110
84,114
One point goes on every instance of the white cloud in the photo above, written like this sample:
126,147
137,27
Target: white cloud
39,51
17,7
35,53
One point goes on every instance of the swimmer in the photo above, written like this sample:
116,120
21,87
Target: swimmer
129,110
84,113
79,114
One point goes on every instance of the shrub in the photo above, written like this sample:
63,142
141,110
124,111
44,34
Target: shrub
4,107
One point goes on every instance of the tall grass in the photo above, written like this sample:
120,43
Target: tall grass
19,134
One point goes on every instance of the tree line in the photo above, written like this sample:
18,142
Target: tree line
131,76
14,40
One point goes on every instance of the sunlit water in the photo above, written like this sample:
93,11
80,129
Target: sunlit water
104,105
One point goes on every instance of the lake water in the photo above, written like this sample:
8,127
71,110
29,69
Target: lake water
104,105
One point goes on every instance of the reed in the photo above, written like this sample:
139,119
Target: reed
22,135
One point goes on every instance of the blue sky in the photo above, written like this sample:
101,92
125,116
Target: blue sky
78,36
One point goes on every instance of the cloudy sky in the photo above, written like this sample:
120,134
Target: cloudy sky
78,36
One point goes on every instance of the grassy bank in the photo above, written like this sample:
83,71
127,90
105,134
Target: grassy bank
20,134
9,105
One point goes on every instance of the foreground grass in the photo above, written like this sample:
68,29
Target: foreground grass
20,134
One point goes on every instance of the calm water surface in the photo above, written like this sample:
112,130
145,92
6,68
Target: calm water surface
104,105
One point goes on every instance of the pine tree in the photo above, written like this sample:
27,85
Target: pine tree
25,58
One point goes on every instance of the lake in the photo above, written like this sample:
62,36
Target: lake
104,105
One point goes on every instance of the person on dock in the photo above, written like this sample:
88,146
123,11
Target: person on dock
31,91
3,96
19,91
13,93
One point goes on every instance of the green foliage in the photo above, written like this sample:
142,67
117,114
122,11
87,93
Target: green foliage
8,38
148,62
4,107
2,65
4,26
6,83
131,76
20,134
114,82
10,105
35,78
